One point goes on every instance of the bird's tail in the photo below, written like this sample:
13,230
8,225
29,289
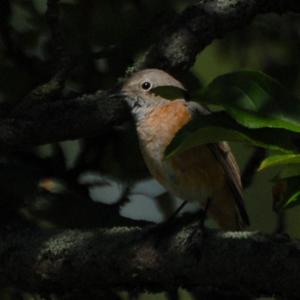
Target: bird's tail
224,211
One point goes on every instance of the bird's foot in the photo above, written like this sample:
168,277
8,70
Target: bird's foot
161,230
158,232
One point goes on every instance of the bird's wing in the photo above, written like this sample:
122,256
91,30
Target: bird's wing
224,156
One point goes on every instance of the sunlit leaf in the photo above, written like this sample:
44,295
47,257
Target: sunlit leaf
279,160
219,126
255,100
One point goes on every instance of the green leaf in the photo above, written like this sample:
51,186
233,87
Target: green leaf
169,92
290,171
279,160
294,200
219,126
254,100
291,195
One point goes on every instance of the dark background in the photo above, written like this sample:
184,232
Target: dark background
56,185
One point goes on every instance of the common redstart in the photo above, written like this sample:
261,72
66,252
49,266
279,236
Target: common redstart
197,174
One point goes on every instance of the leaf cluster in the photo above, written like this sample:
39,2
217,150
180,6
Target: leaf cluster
255,109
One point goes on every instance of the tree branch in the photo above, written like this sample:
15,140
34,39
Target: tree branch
53,121
242,263
200,24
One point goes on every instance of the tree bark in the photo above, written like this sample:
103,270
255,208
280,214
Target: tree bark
198,25
123,258
65,119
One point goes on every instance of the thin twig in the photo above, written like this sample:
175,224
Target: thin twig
252,165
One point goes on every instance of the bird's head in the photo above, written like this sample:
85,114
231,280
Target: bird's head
150,88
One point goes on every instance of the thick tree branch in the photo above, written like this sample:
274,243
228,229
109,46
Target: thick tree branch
200,24
122,258
53,121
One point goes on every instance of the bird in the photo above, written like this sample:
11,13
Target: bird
205,173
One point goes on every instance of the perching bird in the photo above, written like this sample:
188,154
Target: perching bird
197,174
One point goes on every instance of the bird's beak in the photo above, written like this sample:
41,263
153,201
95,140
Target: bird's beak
118,92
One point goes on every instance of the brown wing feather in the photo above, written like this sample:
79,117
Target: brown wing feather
224,156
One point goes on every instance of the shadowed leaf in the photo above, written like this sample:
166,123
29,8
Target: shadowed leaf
254,100
169,92
219,126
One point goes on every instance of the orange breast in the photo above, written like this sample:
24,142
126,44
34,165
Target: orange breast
157,130
161,125
188,174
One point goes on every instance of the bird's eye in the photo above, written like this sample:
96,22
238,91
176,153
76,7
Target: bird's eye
146,85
